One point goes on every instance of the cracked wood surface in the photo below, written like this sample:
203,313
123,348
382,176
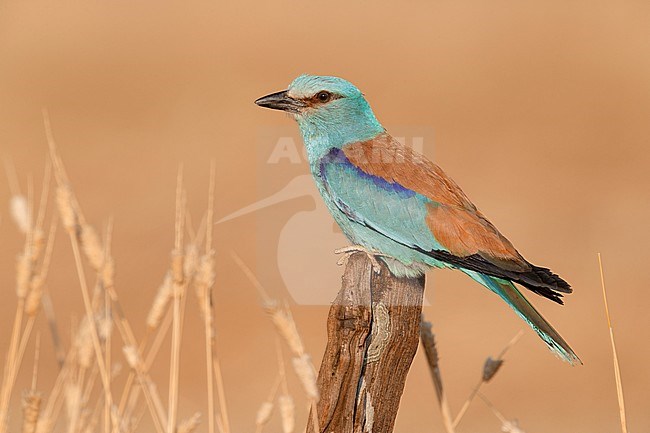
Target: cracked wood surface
373,331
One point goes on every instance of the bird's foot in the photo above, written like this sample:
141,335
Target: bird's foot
351,249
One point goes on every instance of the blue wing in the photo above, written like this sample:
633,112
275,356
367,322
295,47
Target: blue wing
387,207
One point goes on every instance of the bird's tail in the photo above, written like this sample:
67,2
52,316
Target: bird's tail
509,293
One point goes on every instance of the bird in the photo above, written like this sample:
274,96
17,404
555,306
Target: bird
395,204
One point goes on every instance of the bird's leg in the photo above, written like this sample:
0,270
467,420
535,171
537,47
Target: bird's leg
351,249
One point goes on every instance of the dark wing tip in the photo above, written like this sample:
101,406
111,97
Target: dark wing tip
547,277
537,279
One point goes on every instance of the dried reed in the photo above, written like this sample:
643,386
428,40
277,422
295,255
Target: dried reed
617,367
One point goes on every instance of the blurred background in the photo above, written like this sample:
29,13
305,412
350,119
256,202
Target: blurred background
540,110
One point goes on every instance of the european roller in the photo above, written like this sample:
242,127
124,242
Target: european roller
394,203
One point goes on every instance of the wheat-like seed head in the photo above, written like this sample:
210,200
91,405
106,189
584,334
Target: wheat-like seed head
264,413
31,409
191,260
44,425
286,326
132,357
23,273
190,424
108,272
33,301
305,371
104,326
204,280
490,368
160,302
38,242
83,343
178,267
65,203
92,247
20,213
511,427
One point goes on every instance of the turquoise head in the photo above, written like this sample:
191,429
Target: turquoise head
330,112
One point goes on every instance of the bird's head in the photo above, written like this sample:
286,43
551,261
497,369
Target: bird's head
329,108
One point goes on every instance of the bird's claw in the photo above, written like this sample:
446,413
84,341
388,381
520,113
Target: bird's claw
351,249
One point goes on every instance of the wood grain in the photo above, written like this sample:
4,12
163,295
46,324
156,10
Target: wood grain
373,332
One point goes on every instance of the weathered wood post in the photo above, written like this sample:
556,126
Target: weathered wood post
373,330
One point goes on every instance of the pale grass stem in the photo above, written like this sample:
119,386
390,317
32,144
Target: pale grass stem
617,368
204,282
107,278
179,289
33,298
89,362
285,401
75,226
507,426
32,399
28,285
68,215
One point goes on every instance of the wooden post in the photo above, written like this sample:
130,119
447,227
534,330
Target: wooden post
373,330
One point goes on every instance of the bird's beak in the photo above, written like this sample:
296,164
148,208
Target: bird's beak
281,101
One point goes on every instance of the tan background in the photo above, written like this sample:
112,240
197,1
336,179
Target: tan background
540,110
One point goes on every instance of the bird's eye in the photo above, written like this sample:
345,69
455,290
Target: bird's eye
323,96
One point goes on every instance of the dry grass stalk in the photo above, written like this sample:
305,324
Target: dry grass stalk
75,388
286,327
31,402
73,404
26,280
177,326
507,426
147,386
429,345
129,400
617,368
156,314
287,413
203,283
490,369
285,401
222,421
105,331
35,292
72,220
